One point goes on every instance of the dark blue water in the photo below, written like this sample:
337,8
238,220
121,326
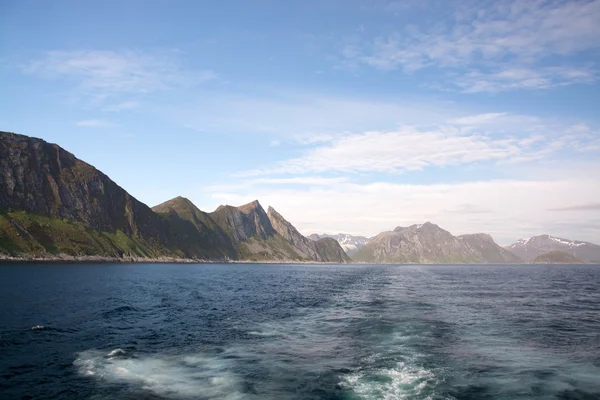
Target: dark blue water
299,332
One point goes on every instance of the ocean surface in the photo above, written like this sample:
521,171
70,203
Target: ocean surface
299,332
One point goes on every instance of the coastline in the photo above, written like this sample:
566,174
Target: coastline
68,259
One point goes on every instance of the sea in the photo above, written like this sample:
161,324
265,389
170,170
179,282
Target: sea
252,331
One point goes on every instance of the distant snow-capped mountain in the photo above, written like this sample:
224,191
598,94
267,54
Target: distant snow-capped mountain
530,248
349,243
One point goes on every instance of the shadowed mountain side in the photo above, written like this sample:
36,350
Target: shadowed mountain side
349,243
326,250
189,221
483,245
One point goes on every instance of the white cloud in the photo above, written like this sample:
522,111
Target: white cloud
93,123
410,148
524,78
126,105
533,36
304,118
101,74
507,209
476,119
300,180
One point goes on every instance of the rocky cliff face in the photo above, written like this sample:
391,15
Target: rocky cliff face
244,222
42,178
529,249
428,243
326,250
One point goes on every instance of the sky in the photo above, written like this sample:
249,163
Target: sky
345,116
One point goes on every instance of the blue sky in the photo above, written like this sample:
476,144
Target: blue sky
346,116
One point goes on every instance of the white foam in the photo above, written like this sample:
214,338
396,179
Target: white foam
402,382
37,327
116,352
181,376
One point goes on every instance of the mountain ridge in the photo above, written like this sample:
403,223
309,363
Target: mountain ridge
530,248
428,243
53,205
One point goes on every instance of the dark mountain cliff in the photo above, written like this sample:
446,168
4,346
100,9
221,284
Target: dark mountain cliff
325,249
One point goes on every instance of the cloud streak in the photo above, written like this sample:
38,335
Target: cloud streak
101,73
507,209
411,148
581,207
535,37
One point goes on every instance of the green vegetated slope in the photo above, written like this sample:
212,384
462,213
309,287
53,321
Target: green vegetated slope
557,257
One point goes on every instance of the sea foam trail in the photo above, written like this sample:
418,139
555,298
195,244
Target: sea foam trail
182,376
402,382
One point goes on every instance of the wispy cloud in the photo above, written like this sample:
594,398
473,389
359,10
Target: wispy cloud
533,36
580,207
93,123
470,209
101,74
507,209
524,78
126,105
411,148
476,119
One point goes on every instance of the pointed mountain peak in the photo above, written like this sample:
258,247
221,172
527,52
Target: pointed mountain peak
253,205
177,204
426,226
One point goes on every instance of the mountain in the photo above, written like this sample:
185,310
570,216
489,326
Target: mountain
557,257
326,249
185,217
53,204
349,243
529,249
428,243
488,250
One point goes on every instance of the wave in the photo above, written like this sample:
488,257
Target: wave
401,382
118,311
179,376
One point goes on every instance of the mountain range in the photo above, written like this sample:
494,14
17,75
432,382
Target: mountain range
531,248
53,205
428,243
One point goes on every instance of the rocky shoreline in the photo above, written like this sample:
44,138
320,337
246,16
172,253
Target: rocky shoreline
69,259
